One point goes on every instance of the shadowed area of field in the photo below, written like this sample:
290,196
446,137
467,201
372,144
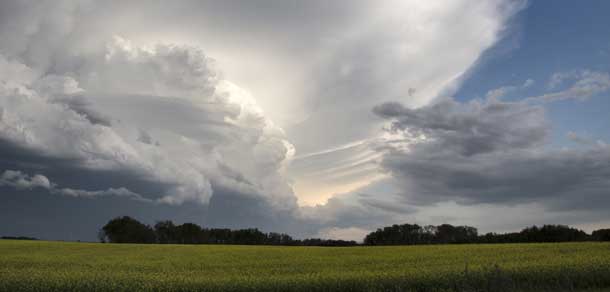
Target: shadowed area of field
63,266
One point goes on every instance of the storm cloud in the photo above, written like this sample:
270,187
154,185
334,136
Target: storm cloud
307,117
494,152
73,117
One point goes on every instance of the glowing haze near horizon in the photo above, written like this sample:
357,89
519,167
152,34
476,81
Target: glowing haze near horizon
316,118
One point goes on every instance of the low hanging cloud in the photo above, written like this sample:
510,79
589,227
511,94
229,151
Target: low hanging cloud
492,152
21,181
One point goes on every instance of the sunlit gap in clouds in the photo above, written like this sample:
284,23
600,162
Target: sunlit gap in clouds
321,175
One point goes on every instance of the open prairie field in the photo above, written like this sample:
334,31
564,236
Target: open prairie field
63,266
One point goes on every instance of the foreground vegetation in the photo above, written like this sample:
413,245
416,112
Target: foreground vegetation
65,266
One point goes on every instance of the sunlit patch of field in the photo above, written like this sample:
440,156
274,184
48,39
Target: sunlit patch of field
63,266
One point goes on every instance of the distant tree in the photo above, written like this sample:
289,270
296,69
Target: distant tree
546,233
428,234
128,230
500,238
220,235
447,233
552,233
274,238
325,242
286,239
248,236
18,238
601,235
190,233
166,232
373,238
396,234
101,236
467,234
408,234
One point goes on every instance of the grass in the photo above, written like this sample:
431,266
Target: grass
65,266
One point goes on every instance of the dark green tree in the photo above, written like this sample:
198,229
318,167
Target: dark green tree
166,232
601,235
190,233
127,230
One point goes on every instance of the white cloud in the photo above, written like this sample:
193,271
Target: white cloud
20,181
585,84
504,90
585,140
119,192
97,117
403,51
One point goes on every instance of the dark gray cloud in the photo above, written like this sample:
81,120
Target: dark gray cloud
72,202
69,176
23,181
49,216
492,152
470,129
92,121
88,118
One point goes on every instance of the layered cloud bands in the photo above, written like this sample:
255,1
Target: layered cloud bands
492,152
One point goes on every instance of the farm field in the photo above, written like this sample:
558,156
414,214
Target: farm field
69,266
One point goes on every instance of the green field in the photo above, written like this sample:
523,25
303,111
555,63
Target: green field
62,266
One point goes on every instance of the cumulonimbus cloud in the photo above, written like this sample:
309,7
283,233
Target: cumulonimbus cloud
150,110
96,116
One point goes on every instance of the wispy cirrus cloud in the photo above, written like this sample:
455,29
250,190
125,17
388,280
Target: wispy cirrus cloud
504,90
583,85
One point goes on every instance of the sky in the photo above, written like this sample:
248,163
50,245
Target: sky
315,118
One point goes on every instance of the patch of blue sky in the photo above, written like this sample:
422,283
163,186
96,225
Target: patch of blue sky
544,39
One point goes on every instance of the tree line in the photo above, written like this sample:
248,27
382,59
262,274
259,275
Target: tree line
18,238
128,230
410,234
